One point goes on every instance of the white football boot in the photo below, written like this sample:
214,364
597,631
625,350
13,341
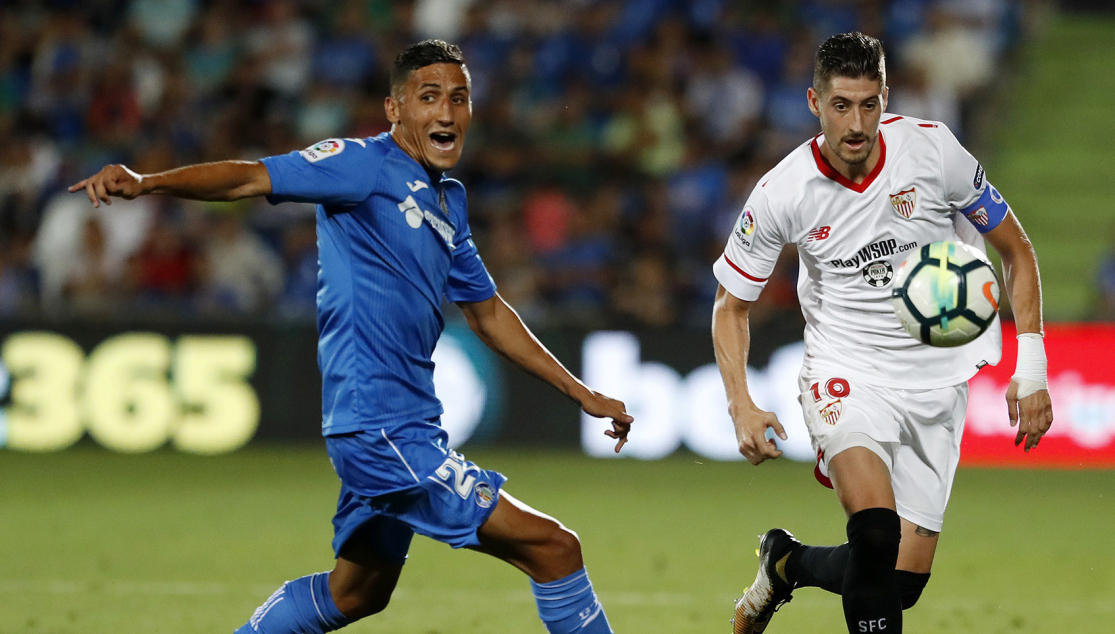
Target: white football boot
769,592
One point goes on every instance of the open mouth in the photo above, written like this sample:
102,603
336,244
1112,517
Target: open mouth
855,144
444,141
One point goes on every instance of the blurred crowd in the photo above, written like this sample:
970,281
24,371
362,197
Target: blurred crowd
613,142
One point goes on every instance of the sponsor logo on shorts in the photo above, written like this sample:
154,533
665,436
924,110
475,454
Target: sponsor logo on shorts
831,413
485,494
873,251
977,182
904,202
878,273
325,149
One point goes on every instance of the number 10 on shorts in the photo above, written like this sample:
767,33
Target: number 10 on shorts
834,388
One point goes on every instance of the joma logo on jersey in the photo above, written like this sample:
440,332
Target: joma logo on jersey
820,233
873,251
904,202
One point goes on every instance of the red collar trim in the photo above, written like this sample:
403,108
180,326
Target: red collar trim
828,170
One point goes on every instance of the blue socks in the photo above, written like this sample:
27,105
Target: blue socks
569,606
302,606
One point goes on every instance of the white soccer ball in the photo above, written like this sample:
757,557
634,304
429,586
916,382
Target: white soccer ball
946,294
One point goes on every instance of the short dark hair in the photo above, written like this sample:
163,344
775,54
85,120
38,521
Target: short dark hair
420,55
851,55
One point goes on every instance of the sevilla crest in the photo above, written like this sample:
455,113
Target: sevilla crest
904,202
831,412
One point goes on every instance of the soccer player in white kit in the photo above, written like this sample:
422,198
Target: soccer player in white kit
885,412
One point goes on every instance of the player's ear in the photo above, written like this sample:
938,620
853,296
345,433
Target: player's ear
391,108
814,99
886,97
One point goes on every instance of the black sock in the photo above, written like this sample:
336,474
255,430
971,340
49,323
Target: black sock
910,585
823,567
871,600
818,567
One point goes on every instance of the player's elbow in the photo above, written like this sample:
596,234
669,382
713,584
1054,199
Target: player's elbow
254,180
727,303
728,309
487,318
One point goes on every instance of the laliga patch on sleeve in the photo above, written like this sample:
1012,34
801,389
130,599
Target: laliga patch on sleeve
977,182
325,149
745,229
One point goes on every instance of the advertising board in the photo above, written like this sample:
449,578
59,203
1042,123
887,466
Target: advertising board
213,388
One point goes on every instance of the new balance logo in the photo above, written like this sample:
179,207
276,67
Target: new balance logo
417,185
820,233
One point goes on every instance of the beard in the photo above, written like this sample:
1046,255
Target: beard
857,158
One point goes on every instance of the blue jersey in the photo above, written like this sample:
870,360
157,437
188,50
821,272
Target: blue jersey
393,240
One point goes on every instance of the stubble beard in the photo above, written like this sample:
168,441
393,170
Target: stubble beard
854,159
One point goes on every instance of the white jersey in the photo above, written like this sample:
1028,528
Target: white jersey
851,239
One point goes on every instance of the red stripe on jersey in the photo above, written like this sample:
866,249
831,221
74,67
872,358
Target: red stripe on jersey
828,170
741,271
927,125
891,120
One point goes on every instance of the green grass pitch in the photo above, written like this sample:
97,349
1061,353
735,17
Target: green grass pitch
99,543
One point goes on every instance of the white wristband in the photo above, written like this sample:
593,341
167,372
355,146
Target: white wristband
1030,373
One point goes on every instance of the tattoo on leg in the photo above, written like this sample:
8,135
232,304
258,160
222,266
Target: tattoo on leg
925,532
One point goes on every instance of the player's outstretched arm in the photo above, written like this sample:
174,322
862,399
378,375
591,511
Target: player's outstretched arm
1028,403
226,180
501,329
731,339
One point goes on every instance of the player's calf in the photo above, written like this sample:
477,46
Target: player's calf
564,594
871,599
550,555
302,606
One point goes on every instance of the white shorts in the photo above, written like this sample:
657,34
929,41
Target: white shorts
915,432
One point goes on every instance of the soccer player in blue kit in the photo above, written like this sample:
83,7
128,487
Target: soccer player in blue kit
393,240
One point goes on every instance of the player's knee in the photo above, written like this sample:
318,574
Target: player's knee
559,555
874,536
357,605
910,586
566,543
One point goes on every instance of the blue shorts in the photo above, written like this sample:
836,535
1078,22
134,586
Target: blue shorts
404,480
